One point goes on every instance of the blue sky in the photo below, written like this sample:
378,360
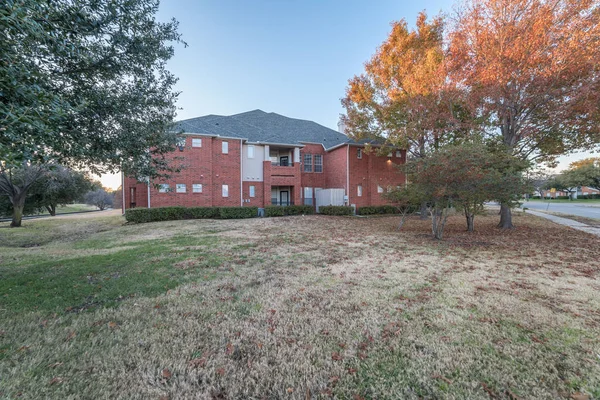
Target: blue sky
290,57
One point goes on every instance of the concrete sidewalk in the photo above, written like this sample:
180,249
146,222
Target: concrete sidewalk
567,222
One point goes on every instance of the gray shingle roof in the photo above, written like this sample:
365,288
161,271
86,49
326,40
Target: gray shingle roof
259,126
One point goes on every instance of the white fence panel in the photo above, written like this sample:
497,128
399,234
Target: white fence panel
329,197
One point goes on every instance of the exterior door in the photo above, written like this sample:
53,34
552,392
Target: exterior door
284,161
284,198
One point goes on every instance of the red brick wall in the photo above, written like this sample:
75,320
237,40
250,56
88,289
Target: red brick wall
371,171
337,168
259,199
205,165
314,179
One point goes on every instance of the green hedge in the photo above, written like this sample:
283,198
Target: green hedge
280,211
336,210
140,215
238,212
372,210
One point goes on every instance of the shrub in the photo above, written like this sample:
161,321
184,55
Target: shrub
336,210
372,210
238,212
201,212
140,215
280,211
298,210
274,211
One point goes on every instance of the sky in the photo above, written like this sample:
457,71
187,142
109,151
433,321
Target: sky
291,57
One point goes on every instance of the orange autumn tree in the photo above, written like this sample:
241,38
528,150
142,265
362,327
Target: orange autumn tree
532,69
399,99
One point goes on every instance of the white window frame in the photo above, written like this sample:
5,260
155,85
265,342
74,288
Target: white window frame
181,188
225,190
315,164
252,190
197,188
308,164
379,189
225,147
250,151
398,154
163,188
359,190
359,153
389,154
196,142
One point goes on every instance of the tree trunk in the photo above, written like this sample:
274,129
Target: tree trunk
51,209
438,221
424,210
470,221
18,203
505,217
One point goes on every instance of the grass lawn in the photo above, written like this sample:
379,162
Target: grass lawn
299,308
70,208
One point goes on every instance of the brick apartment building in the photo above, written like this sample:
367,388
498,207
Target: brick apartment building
258,159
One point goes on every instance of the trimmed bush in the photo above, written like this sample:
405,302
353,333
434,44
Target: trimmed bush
336,210
202,212
140,215
373,210
280,211
238,212
274,211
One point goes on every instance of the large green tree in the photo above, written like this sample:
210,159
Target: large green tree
84,84
59,186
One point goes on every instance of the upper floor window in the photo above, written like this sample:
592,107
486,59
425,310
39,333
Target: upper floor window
225,147
196,142
163,188
197,188
181,188
250,151
359,153
308,163
181,143
318,163
398,154
390,154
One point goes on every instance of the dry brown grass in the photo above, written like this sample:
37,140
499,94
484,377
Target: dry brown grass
318,307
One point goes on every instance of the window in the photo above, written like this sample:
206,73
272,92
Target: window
252,191
163,188
308,163
181,188
379,189
197,188
390,154
359,190
196,142
308,196
225,190
318,163
181,143
398,154
358,153
225,147
250,151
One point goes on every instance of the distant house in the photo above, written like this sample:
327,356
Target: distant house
580,191
259,159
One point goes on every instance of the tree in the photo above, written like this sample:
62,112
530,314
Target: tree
85,84
400,99
99,198
539,179
530,67
59,186
465,177
584,173
407,199
15,182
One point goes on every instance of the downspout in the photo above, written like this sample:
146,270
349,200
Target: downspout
348,172
123,193
148,192
241,175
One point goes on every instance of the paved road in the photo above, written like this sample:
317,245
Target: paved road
582,210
